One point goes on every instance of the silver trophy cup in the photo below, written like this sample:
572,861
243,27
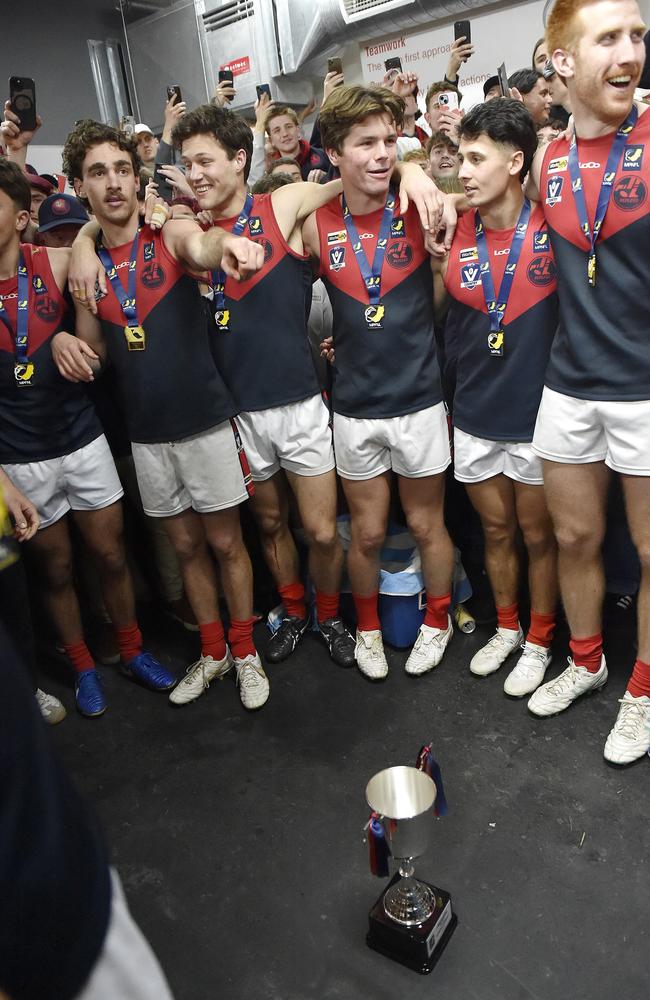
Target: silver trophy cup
402,797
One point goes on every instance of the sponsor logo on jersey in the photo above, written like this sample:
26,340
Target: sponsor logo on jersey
397,227
541,241
541,270
337,258
633,158
46,309
470,276
268,247
501,253
365,236
554,190
255,226
560,163
340,237
469,253
38,285
590,165
399,254
630,193
152,275
149,251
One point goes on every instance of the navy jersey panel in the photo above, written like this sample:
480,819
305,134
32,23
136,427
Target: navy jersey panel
602,350
394,370
51,417
171,389
497,398
264,356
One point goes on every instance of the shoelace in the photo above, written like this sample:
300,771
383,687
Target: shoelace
631,716
566,679
530,654
193,667
373,646
248,675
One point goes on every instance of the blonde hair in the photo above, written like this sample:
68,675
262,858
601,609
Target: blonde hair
347,106
277,112
415,156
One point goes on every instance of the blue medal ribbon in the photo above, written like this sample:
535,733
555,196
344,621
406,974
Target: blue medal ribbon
23,369
221,314
496,306
613,160
134,333
375,312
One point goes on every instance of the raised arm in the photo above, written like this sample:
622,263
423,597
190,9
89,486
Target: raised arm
238,257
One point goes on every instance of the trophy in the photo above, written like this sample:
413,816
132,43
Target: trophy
412,921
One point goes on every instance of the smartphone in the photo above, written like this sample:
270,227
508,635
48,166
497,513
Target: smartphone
335,65
226,76
393,63
448,99
503,80
22,95
463,29
127,124
165,190
173,88
263,88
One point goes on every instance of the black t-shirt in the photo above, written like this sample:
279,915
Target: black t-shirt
55,891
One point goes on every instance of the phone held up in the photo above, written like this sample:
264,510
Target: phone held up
463,29
127,124
503,80
448,100
173,89
226,76
394,63
263,88
22,94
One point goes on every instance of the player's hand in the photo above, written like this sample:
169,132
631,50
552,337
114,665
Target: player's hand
156,209
86,275
22,512
330,83
327,349
205,218
438,241
241,257
76,361
416,187
177,179
12,136
317,176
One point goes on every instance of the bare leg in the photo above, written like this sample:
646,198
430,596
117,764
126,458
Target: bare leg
316,496
102,532
271,511
494,501
368,500
537,528
223,532
53,553
423,502
187,535
636,490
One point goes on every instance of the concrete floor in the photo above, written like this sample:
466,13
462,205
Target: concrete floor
239,836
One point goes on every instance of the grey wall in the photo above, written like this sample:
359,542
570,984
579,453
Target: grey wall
47,41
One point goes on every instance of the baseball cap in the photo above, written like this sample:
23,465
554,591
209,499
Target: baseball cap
61,210
37,181
140,128
492,81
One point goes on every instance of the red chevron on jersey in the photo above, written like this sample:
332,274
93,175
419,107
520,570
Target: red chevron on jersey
631,187
535,275
262,228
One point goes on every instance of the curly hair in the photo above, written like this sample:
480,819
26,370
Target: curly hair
89,133
348,106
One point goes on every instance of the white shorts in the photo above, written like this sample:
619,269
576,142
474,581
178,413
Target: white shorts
415,445
477,459
577,431
203,471
296,437
86,479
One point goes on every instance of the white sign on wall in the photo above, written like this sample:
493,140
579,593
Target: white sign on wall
499,36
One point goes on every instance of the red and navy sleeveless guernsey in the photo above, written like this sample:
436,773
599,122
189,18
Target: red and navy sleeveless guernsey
171,388
264,354
498,397
602,349
393,370
49,416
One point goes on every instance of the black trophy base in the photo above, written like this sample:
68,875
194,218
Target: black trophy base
417,947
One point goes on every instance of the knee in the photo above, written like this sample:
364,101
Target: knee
369,538
57,571
271,524
112,558
579,538
499,533
187,547
323,535
538,537
226,545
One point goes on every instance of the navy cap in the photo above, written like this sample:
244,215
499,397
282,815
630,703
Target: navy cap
61,210
492,81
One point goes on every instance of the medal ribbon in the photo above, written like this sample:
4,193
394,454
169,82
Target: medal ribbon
371,275
125,298
613,160
219,277
496,307
20,333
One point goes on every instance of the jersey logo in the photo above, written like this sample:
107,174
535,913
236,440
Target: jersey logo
470,276
268,248
541,270
501,253
152,275
149,251
38,285
340,237
397,227
554,190
399,255
374,316
46,309
469,253
630,193
633,158
255,226
541,241
560,163
23,372
337,258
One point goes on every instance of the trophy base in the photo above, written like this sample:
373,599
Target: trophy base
418,947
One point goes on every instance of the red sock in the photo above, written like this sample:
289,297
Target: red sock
508,617
129,640
541,629
79,655
213,641
639,682
240,638
293,598
587,652
327,606
437,611
367,617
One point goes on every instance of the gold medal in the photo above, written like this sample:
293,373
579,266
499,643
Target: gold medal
222,319
135,339
591,270
495,342
23,373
